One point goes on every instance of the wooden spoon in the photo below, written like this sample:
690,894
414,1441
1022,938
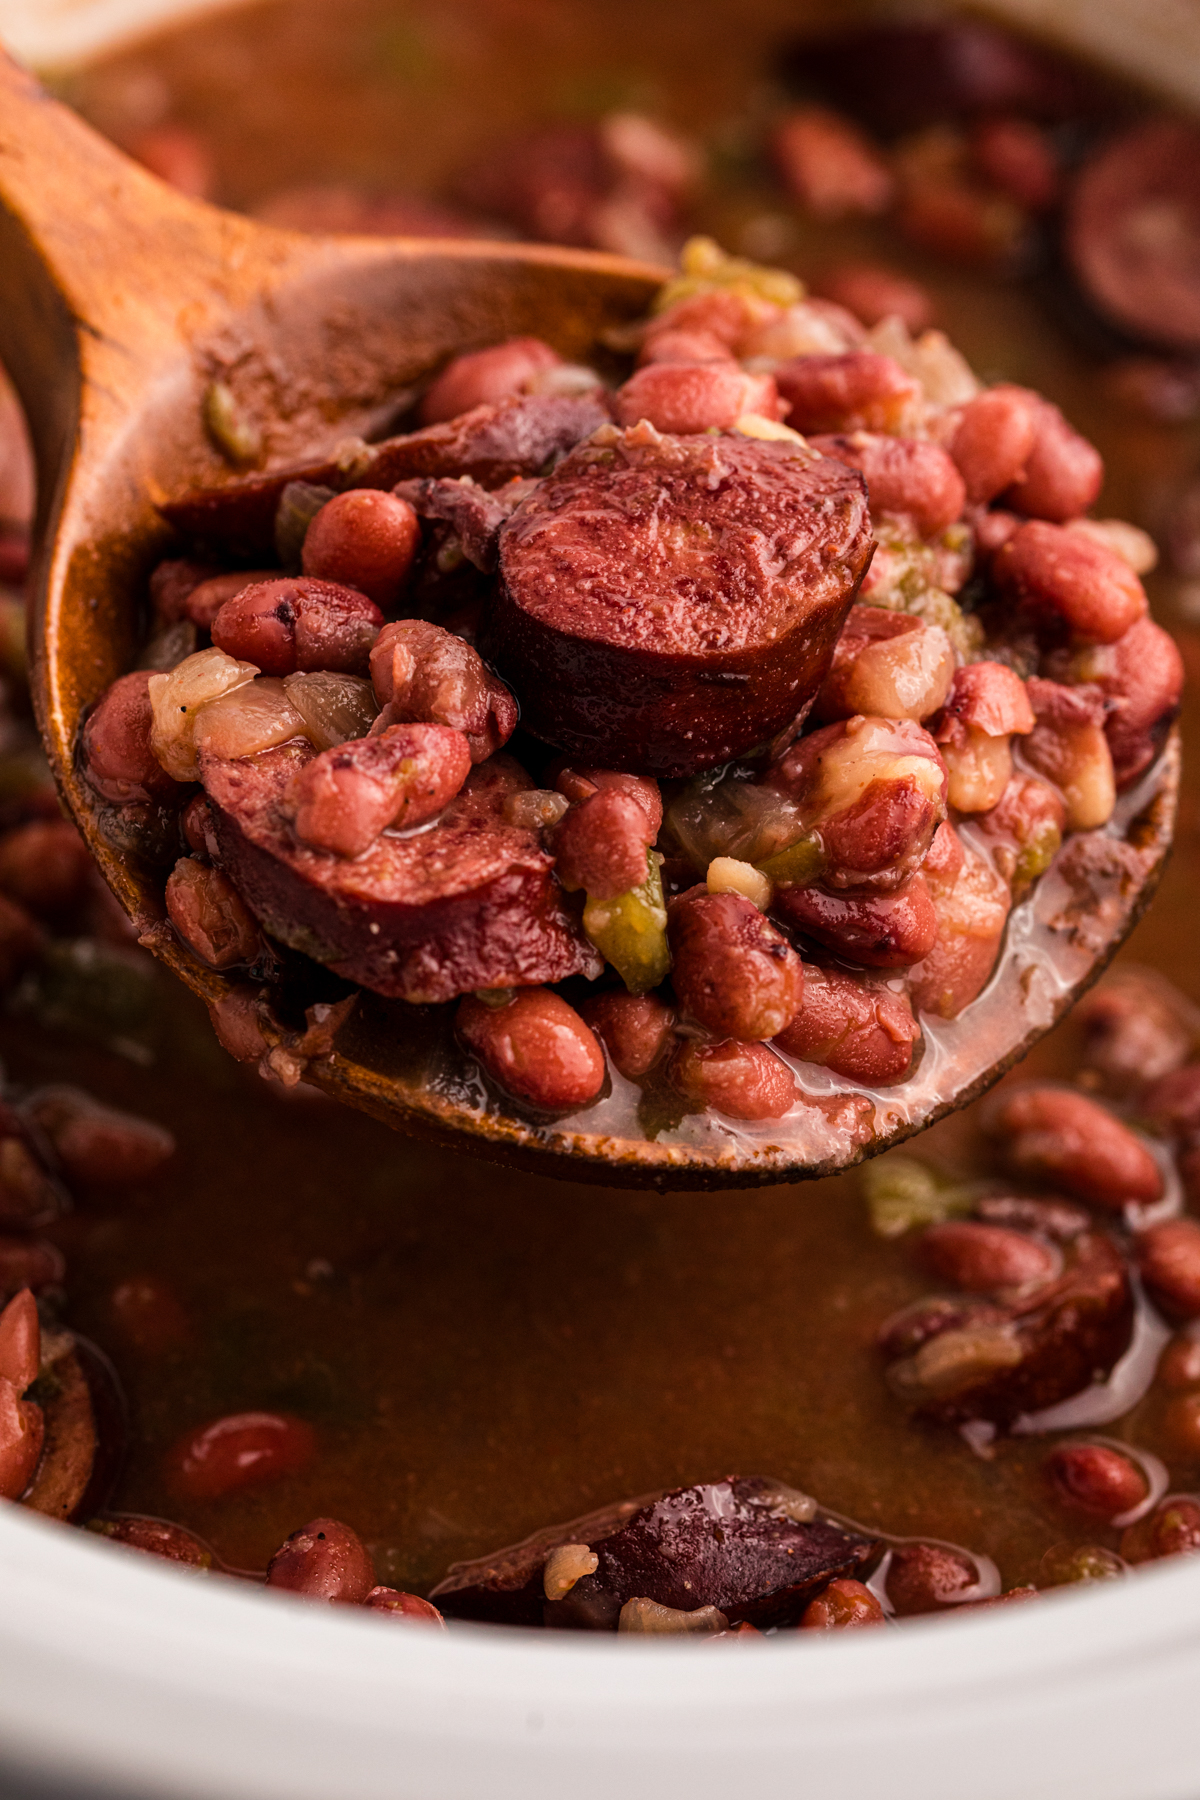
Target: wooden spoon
120,302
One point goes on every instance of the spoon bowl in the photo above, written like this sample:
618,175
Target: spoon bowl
121,302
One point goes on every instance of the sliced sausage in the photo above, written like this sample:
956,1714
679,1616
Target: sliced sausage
667,603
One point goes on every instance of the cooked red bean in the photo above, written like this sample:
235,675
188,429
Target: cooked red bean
873,292
240,1451
923,1578
1181,1427
730,314
1168,1255
944,207
601,844
993,440
22,1433
1174,1101
324,1560
829,164
482,377
1069,584
694,346
210,915
688,397
44,865
425,675
409,1608
983,1258
177,155
149,1315
193,823
635,1029
117,757
29,1262
747,1081
992,531
1019,157
857,391
536,1047
1172,1529
880,931
1026,826
865,1033
1060,1135
97,1144
172,580
1141,675
844,1605
156,1537
1063,473
733,970
20,1341
299,623
1179,1364
909,476
29,1197
364,539
1068,747
207,598
346,796
1096,1479
1136,1035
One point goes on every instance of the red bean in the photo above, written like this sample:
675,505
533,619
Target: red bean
117,757
346,796
992,531
29,1262
44,865
423,674
731,315
1019,158
482,377
1068,747
20,1341
240,1451
410,1609
734,971
1063,474
747,1081
150,1316
879,931
579,784
993,441
206,599
829,164
874,292
1181,1426
324,1560
683,347
364,539
22,1433
1173,1103
908,476
635,1029
1179,1364
887,664
210,915
843,1606
690,397
983,1258
1172,1529
156,1537
173,580
923,1578
991,698
1142,674
1062,1136
1168,1255
28,1195
97,1144
284,625
535,1047
601,844
857,391
1069,584
194,823
1096,1479
866,1034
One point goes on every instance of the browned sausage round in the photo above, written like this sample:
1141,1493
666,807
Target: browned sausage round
667,603
536,1047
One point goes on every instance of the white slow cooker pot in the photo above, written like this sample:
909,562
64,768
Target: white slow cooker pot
123,1676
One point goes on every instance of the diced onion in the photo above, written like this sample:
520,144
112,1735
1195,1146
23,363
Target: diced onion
248,719
175,700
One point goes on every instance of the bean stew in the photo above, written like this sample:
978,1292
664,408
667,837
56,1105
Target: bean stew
694,733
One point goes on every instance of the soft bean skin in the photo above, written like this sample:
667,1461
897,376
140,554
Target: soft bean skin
1069,747
238,1452
600,845
1181,1426
346,796
173,579
1093,1478
695,346
117,758
1063,473
210,915
364,539
866,1034
984,1258
747,1081
425,675
734,971
22,1433
156,1537
207,598
857,391
971,901
150,1316
635,1029
909,476
844,1606
98,1145
482,377
1173,1103
20,1341
1060,1135
324,1560
879,931
299,623
1068,585
535,1047
993,440
830,166
1025,827
688,397
1179,1365
924,1578
1168,1255
887,664
410,1609
1141,676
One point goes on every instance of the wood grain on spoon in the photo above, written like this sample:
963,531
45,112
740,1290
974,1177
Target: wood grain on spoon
120,303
